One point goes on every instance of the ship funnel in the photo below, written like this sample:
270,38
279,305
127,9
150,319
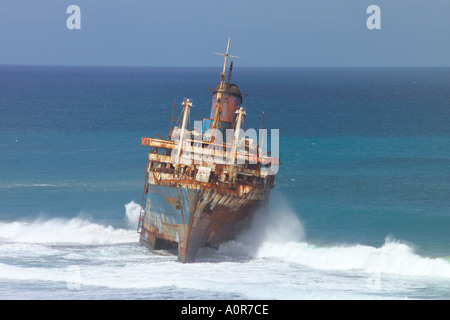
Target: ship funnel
225,100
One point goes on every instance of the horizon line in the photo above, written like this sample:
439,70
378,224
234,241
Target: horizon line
214,66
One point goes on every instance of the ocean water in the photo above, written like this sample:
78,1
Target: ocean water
361,207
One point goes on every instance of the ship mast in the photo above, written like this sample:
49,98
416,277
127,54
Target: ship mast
217,110
237,131
186,105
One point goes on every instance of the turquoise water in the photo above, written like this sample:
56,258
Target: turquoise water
361,207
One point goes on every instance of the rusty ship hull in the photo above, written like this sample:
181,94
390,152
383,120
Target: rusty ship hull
188,218
200,190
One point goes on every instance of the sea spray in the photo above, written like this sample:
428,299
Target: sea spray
278,224
132,212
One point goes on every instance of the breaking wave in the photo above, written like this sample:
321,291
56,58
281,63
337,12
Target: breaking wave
393,257
64,231
279,234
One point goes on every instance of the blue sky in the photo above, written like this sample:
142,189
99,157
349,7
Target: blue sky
264,33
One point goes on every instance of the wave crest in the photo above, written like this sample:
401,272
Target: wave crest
393,257
64,231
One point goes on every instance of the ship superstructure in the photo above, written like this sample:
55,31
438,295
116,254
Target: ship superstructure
203,186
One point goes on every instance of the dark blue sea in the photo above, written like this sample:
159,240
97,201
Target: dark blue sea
360,210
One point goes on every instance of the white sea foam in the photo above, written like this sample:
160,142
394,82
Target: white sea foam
58,230
392,258
30,185
77,230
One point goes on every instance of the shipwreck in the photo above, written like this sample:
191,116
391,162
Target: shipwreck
200,188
